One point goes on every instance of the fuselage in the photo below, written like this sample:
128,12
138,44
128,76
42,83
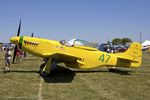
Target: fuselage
91,57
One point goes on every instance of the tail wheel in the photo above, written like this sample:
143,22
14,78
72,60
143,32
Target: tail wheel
113,69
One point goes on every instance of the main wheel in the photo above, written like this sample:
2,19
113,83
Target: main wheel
53,65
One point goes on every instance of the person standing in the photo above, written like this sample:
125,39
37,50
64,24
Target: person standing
18,55
8,55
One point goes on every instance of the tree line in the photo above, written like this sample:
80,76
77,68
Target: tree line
115,41
122,41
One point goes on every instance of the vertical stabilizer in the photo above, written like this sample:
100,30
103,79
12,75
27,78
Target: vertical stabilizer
133,56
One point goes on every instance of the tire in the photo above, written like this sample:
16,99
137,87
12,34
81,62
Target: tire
112,70
44,74
53,65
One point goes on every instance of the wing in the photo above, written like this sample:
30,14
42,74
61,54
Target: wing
65,57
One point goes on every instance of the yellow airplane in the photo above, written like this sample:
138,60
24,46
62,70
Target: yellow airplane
75,54
78,54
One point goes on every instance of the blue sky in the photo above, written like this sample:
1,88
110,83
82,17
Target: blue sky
91,20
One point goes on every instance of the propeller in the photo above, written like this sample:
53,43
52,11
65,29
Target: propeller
32,34
18,34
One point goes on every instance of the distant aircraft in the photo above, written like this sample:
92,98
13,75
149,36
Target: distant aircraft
76,54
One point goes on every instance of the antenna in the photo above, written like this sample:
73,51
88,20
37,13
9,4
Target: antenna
140,37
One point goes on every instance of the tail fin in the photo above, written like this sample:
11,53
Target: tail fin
133,56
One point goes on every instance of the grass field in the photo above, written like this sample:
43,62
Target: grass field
24,82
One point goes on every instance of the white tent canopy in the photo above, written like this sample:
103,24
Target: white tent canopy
146,43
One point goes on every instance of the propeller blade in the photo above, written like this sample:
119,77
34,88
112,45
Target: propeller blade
18,34
16,47
32,34
14,56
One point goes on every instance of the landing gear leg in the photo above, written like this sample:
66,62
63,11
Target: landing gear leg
47,67
43,73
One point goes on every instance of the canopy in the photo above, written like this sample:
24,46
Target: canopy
77,42
146,43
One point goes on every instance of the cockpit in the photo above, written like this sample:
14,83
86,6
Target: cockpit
75,41
78,43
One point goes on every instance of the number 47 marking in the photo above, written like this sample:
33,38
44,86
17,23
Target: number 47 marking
104,58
